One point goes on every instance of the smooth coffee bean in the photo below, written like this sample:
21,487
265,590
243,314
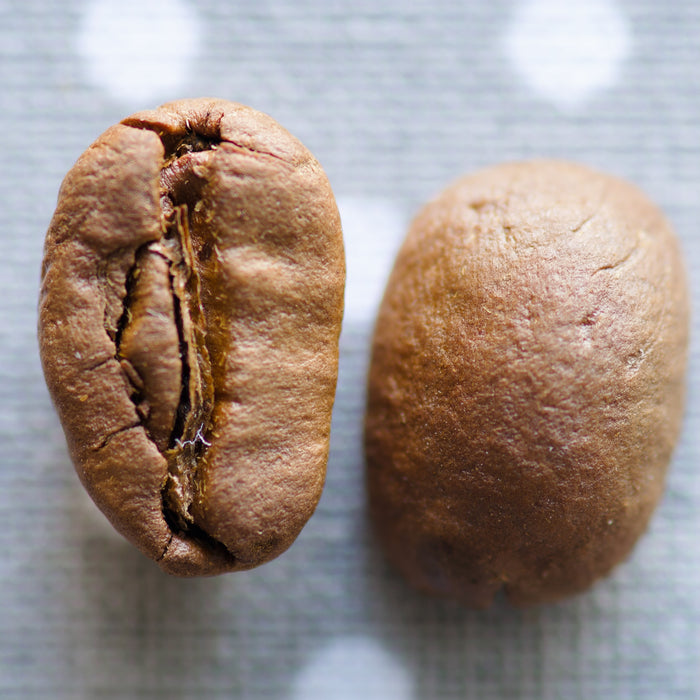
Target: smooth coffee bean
191,303
526,387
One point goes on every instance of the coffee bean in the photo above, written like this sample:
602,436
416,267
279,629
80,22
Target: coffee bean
526,384
191,302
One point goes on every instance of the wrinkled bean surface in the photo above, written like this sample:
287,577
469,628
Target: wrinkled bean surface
191,301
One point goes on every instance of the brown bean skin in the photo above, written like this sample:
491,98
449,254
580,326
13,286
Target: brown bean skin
527,383
190,309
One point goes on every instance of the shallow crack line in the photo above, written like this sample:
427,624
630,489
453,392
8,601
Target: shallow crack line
257,151
108,438
167,546
616,264
99,364
587,220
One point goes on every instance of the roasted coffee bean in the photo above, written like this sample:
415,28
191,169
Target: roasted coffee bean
191,303
527,382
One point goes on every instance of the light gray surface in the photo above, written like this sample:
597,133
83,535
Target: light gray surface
395,99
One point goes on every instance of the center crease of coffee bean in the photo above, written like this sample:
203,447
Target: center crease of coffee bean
161,335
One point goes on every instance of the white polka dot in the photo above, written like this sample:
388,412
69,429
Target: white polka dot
568,50
139,51
373,230
353,668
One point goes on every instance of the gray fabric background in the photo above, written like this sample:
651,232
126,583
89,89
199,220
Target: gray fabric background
395,99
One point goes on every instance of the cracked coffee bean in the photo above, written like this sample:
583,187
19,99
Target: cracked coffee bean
191,302
527,383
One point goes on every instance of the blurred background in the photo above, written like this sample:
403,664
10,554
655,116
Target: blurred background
395,99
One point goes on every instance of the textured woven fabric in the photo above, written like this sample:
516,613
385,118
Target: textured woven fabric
395,99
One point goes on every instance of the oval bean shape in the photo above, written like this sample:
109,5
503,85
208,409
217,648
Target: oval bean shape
191,303
527,383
